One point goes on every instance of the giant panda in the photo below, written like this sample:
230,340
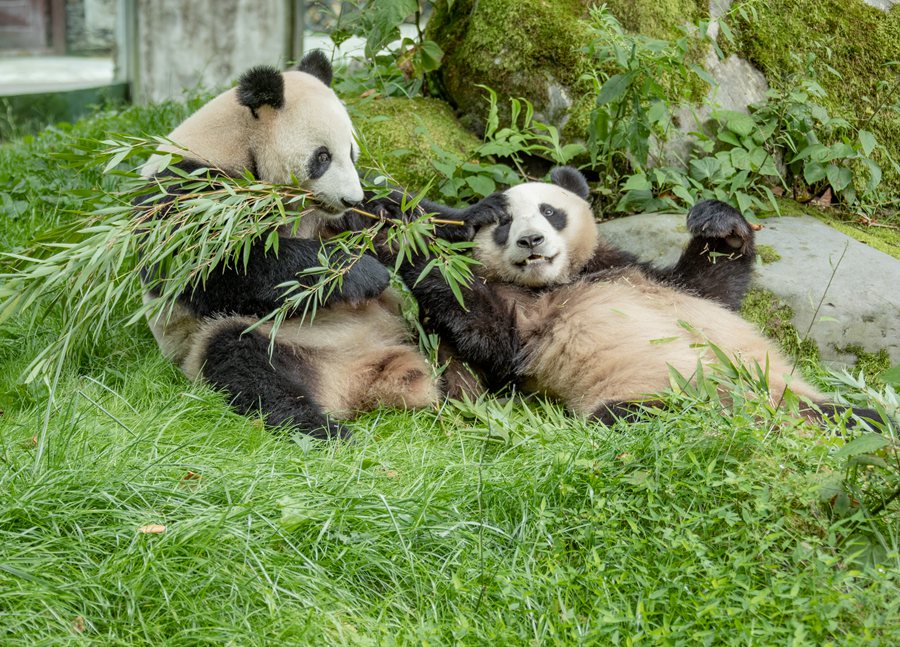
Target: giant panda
354,355
555,309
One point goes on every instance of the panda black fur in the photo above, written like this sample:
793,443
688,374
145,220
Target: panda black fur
556,309
354,355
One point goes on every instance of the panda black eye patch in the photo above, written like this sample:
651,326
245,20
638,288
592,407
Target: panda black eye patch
318,163
556,217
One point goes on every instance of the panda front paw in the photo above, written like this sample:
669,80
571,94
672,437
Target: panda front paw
390,207
365,280
487,211
715,219
385,208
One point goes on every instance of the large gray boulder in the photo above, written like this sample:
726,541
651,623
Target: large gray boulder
843,291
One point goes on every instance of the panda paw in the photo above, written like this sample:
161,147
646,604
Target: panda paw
389,207
487,211
715,219
365,280
328,430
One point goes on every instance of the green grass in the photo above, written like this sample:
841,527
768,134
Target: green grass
496,523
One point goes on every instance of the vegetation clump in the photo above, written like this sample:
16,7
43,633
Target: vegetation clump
856,64
775,319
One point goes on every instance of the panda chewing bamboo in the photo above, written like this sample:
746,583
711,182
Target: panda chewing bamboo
556,309
354,355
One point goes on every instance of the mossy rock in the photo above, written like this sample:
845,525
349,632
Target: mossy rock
399,135
535,50
849,36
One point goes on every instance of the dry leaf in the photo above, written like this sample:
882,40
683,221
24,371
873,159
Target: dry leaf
152,529
78,625
191,476
391,474
823,200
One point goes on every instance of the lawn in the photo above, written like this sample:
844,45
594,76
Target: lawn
136,508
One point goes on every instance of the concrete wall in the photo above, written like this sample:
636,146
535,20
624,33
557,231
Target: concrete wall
188,44
90,26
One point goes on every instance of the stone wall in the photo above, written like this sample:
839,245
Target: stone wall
184,45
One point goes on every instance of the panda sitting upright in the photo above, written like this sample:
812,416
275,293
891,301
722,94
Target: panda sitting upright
557,310
354,355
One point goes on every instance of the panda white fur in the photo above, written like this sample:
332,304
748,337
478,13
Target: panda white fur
556,309
355,354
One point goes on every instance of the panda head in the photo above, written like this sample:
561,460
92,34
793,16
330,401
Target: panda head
543,234
283,127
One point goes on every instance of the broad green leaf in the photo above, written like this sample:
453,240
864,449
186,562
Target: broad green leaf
740,123
813,172
637,182
482,185
705,168
892,375
815,152
728,137
683,193
865,444
839,177
867,142
614,88
430,54
874,174
745,202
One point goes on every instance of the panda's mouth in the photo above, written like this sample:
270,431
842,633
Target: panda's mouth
536,259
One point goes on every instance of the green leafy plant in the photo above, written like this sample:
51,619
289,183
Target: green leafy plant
500,161
400,61
638,80
789,142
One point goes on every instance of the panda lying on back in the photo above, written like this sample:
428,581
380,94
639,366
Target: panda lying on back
354,355
555,309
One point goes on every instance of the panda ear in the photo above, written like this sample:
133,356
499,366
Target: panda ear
261,86
317,64
572,180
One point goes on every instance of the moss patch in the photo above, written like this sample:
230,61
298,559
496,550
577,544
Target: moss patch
775,320
520,49
851,37
661,19
767,254
399,134
872,365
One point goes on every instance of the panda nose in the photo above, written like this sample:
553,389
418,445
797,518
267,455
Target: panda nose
530,241
349,203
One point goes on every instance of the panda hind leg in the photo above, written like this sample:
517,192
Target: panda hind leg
398,376
239,364
826,411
